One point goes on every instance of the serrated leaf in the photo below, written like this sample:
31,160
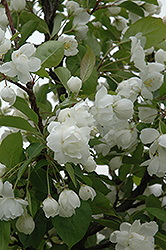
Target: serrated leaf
87,64
72,229
50,53
4,234
152,28
22,105
16,122
11,149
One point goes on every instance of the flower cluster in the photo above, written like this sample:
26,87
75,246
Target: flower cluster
67,203
135,236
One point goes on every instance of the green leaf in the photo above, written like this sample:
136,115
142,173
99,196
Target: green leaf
72,229
11,149
160,240
159,213
87,64
70,171
93,44
59,247
22,105
133,7
100,204
152,1
163,127
4,234
33,150
89,86
114,225
152,28
27,16
57,23
152,201
64,75
50,53
98,184
15,122
27,30
38,179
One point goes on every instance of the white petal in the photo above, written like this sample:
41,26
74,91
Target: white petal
34,64
9,69
162,140
148,135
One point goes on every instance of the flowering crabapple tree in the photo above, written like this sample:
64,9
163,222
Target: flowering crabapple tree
91,93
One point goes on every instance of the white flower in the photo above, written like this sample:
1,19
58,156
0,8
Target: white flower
17,5
90,164
8,95
10,207
160,56
70,45
50,207
81,31
79,113
120,23
114,10
135,236
69,143
25,223
151,76
103,110
126,137
81,16
86,193
68,201
3,19
71,7
23,62
123,108
130,88
137,51
3,169
147,114
74,84
152,8
115,162
5,43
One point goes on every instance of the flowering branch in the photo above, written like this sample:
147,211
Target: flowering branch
5,4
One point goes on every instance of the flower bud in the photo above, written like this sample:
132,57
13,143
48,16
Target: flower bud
90,165
74,84
17,5
115,162
87,192
3,169
8,95
25,224
68,201
50,207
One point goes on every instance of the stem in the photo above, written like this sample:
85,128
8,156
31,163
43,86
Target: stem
48,183
5,4
95,7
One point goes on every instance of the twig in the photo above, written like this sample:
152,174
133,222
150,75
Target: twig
95,7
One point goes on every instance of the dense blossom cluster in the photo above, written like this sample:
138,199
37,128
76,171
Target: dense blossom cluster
107,108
